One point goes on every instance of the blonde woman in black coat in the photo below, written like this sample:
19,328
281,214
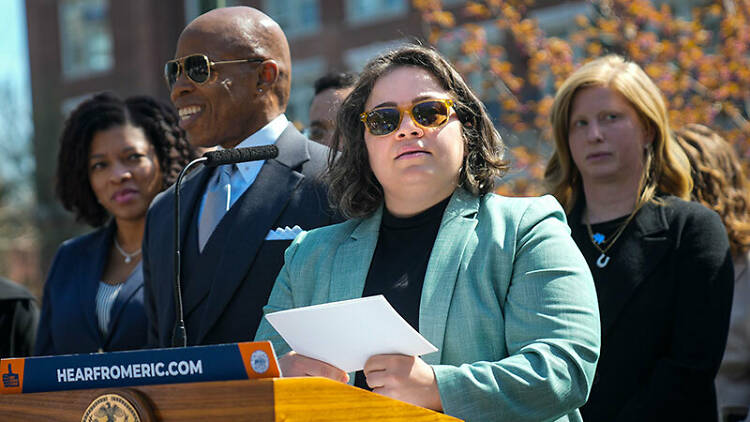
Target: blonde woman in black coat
661,265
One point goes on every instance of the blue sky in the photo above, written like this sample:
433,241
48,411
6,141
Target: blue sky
14,54
16,160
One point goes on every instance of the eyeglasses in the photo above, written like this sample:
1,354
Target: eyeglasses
426,114
197,68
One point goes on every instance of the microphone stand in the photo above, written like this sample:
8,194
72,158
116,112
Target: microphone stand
211,159
179,335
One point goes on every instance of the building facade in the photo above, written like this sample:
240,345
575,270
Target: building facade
80,47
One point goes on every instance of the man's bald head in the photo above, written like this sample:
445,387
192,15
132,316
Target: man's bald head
249,82
248,31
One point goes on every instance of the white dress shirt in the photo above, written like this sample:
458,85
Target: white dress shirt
241,180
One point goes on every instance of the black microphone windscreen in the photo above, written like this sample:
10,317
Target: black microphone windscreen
240,155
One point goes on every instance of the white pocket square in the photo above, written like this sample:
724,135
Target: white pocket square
286,233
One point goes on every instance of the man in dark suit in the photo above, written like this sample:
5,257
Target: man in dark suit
230,82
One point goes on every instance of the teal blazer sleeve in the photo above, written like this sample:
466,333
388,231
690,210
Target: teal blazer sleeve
507,298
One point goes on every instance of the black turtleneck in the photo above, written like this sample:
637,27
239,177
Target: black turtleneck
399,262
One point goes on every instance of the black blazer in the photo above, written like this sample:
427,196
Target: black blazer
664,301
229,289
68,323
19,316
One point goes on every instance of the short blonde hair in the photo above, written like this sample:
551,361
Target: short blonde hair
666,170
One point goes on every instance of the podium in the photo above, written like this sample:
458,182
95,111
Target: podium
236,382
270,399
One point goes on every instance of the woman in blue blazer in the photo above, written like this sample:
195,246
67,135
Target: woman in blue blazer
115,156
495,283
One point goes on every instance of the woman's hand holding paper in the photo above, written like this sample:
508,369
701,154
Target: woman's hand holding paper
295,365
405,378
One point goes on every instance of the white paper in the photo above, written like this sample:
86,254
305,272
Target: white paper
345,334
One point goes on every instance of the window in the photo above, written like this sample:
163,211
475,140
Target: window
86,38
69,104
356,58
364,11
195,8
304,74
296,17
560,21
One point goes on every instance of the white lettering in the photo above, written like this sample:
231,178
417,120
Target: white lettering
173,368
126,371
183,367
146,370
135,370
87,374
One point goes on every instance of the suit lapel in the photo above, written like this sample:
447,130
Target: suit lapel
445,262
260,207
353,259
96,256
645,250
127,291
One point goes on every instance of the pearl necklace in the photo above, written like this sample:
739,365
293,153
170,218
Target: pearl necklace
128,256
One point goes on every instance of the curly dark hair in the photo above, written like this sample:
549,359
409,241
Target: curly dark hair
353,188
719,181
103,111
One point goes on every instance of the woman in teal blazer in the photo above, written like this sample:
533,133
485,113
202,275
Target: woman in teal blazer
496,283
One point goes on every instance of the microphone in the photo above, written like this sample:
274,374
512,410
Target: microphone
209,159
240,155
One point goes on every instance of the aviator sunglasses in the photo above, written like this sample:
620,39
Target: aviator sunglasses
197,68
381,121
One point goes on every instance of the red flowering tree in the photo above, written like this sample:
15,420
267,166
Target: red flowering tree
701,63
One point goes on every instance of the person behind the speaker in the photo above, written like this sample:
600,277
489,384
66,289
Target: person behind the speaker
114,157
496,283
661,265
19,318
230,82
330,91
720,183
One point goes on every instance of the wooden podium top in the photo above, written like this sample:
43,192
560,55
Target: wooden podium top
276,399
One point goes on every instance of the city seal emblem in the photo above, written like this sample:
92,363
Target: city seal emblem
110,407
259,361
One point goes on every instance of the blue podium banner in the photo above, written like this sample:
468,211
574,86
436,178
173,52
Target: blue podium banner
139,367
